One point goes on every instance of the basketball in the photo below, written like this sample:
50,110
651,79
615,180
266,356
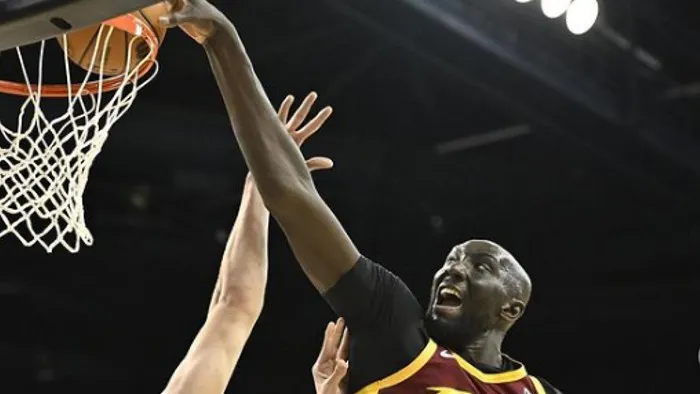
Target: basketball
81,44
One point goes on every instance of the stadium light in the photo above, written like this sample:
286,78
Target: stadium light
554,8
581,16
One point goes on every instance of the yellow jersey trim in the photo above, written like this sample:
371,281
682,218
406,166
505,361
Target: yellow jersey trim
403,374
538,385
501,377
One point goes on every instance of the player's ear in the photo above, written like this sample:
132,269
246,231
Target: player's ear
512,310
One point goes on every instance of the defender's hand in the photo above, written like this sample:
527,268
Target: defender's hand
331,366
293,124
300,135
319,163
198,18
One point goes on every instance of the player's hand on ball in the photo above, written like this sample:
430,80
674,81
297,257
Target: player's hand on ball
331,366
198,18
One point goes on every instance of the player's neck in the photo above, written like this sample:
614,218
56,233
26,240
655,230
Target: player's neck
485,350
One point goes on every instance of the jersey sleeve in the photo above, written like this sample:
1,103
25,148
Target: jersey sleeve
384,319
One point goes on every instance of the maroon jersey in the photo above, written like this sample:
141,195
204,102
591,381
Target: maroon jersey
438,370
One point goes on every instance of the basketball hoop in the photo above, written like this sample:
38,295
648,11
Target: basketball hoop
45,160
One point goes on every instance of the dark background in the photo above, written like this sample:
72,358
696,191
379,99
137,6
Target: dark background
455,119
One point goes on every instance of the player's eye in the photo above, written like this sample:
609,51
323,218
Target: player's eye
483,267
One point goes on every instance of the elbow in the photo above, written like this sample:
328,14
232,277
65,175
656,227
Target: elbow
245,299
247,309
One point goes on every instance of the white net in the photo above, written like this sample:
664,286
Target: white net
45,160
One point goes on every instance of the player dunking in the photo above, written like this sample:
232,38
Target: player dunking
238,296
396,347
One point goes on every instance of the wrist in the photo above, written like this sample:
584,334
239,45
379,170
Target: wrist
221,29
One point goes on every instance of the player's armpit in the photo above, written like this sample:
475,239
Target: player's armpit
210,361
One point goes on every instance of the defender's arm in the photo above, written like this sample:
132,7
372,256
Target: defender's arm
238,296
235,307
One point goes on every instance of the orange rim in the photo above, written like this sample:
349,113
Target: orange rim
128,23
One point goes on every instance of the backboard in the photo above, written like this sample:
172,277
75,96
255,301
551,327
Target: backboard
25,22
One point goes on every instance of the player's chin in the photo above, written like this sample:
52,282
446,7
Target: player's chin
443,328
444,315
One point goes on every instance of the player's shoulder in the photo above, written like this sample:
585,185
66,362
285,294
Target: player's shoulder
548,387
371,271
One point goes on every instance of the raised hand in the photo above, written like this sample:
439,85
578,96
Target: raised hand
301,134
330,368
293,124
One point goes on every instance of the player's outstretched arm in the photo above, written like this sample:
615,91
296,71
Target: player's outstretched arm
235,307
239,292
318,240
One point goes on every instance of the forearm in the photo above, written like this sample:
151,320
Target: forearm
243,274
235,306
272,156
213,355
216,294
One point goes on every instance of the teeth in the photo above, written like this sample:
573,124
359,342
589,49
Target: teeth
448,291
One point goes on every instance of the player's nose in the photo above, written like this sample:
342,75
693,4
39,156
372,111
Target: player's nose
456,271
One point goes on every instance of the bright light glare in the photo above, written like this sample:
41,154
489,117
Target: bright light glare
554,8
523,1
581,16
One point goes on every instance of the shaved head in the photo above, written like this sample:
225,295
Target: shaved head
488,291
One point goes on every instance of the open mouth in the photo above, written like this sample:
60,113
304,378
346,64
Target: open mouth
448,297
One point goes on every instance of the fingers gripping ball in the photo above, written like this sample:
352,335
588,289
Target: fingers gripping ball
81,45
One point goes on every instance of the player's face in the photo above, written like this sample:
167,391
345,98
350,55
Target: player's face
467,294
